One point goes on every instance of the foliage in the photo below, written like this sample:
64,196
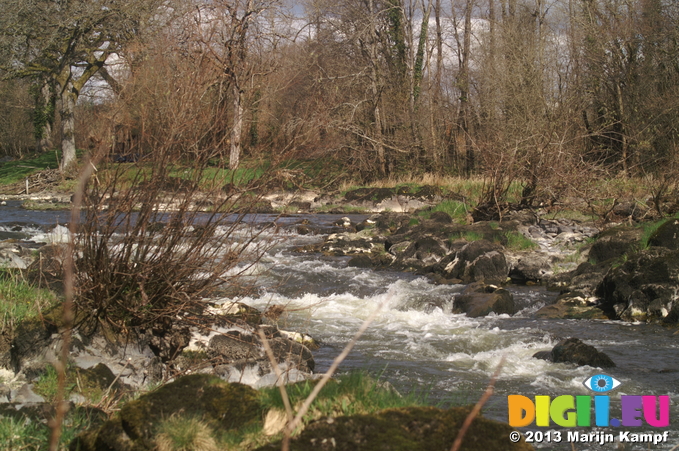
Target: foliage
19,300
457,210
351,393
27,434
517,241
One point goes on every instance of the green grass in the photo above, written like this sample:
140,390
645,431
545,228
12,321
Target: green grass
24,434
352,393
517,242
16,171
20,300
650,228
456,210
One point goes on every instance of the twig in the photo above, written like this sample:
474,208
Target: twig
477,408
108,390
68,315
328,374
279,374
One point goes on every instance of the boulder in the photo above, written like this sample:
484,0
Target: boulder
406,428
217,404
614,243
572,350
584,279
236,348
644,288
667,235
426,250
529,267
477,261
360,261
479,300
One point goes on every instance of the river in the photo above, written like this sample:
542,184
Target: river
417,344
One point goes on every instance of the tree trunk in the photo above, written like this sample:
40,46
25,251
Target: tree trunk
237,130
68,100
44,117
464,83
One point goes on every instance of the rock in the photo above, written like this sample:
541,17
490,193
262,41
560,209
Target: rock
339,244
360,261
483,262
218,404
426,249
26,395
476,261
572,350
667,235
614,243
234,346
441,217
572,305
530,267
369,194
406,428
629,210
584,279
479,300
644,288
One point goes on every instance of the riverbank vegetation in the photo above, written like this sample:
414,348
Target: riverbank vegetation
541,104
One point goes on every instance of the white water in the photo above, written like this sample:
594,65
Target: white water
419,345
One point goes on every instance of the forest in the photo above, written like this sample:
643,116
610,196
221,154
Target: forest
553,94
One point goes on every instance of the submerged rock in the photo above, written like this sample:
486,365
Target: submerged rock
480,300
572,350
572,305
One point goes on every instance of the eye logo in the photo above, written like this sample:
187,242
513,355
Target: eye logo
601,383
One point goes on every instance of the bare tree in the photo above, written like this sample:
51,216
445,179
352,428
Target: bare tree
63,44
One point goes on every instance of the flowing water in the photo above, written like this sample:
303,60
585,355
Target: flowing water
417,344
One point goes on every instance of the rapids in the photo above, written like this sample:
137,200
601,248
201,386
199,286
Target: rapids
417,344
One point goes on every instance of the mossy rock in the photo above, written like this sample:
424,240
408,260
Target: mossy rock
230,406
406,429
220,404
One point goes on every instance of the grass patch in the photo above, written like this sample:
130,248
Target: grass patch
517,242
456,210
352,393
20,300
16,171
24,434
650,228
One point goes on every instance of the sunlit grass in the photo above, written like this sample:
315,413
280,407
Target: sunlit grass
19,300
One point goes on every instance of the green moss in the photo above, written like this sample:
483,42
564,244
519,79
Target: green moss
224,405
404,429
